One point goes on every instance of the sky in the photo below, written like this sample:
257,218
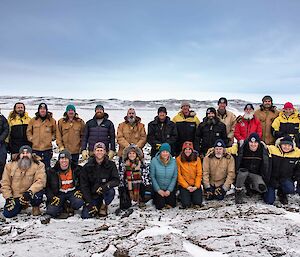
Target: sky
147,50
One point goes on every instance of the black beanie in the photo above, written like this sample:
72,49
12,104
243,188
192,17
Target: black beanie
162,109
43,105
222,100
267,97
247,106
211,109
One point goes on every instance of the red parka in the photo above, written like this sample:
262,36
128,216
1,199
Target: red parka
244,128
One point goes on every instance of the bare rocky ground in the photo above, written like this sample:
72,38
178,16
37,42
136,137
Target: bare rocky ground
251,229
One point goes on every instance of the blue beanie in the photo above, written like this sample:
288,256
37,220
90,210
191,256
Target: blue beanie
165,147
219,143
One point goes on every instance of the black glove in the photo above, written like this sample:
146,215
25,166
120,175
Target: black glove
92,209
78,194
55,201
26,197
10,203
220,191
209,193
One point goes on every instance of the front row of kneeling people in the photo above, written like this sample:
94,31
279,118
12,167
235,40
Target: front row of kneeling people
251,168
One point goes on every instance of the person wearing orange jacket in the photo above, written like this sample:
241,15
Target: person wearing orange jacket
189,176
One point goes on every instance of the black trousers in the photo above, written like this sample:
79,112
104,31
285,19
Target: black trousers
160,201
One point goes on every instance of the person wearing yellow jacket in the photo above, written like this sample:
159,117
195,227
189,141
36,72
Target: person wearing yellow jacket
189,176
287,123
41,132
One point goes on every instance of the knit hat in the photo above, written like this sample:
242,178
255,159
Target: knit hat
267,97
99,106
25,147
162,109
219,143
185,102
165,147
254,137
288,105
248,106
211,109
222,100
70,107
287,140
99,145
187,144
64,154
43,105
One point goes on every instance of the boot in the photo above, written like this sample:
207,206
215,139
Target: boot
282,197
36,211
103,210
239,196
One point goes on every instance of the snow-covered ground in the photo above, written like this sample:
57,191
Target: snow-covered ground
217,229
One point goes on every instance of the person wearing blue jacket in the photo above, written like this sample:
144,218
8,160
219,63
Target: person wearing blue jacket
163,171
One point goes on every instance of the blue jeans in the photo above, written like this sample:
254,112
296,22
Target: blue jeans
34,202
75,203
188,198
108,197
287,187
46,157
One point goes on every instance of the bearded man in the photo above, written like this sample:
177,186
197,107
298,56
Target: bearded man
247,124
99,129
22,183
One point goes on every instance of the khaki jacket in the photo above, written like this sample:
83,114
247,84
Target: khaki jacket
41,133
16,181
266,118
217,172
69,134
128,134
229,119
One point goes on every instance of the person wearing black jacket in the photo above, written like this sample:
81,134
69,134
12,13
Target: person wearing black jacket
4,130
97,181
252,167
161,130
210,130
63,185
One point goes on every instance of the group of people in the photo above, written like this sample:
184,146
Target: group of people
254,152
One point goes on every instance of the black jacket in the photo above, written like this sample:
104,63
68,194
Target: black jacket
96,175
4,129
161,132
207,133
53,179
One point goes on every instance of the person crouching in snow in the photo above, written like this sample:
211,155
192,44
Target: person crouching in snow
218,171
189,176
98,178
163,171
22,183
285,169
63,186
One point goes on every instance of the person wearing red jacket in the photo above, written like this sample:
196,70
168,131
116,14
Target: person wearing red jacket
247,124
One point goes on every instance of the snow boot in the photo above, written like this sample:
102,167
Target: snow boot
282,197
239,196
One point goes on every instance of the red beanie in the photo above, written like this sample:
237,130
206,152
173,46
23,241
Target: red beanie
288,105
187,144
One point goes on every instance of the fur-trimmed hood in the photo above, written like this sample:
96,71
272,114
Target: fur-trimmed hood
135,148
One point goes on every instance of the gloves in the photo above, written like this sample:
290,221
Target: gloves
157,146
219,191
209,193
26,197
92,209
78,194
99,191
55,201
111,154
10,203
85,154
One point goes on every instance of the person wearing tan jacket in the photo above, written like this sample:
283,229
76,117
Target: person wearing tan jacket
228,118
41,132
69,132
267,113
218,171
22,183
131,131
189,176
